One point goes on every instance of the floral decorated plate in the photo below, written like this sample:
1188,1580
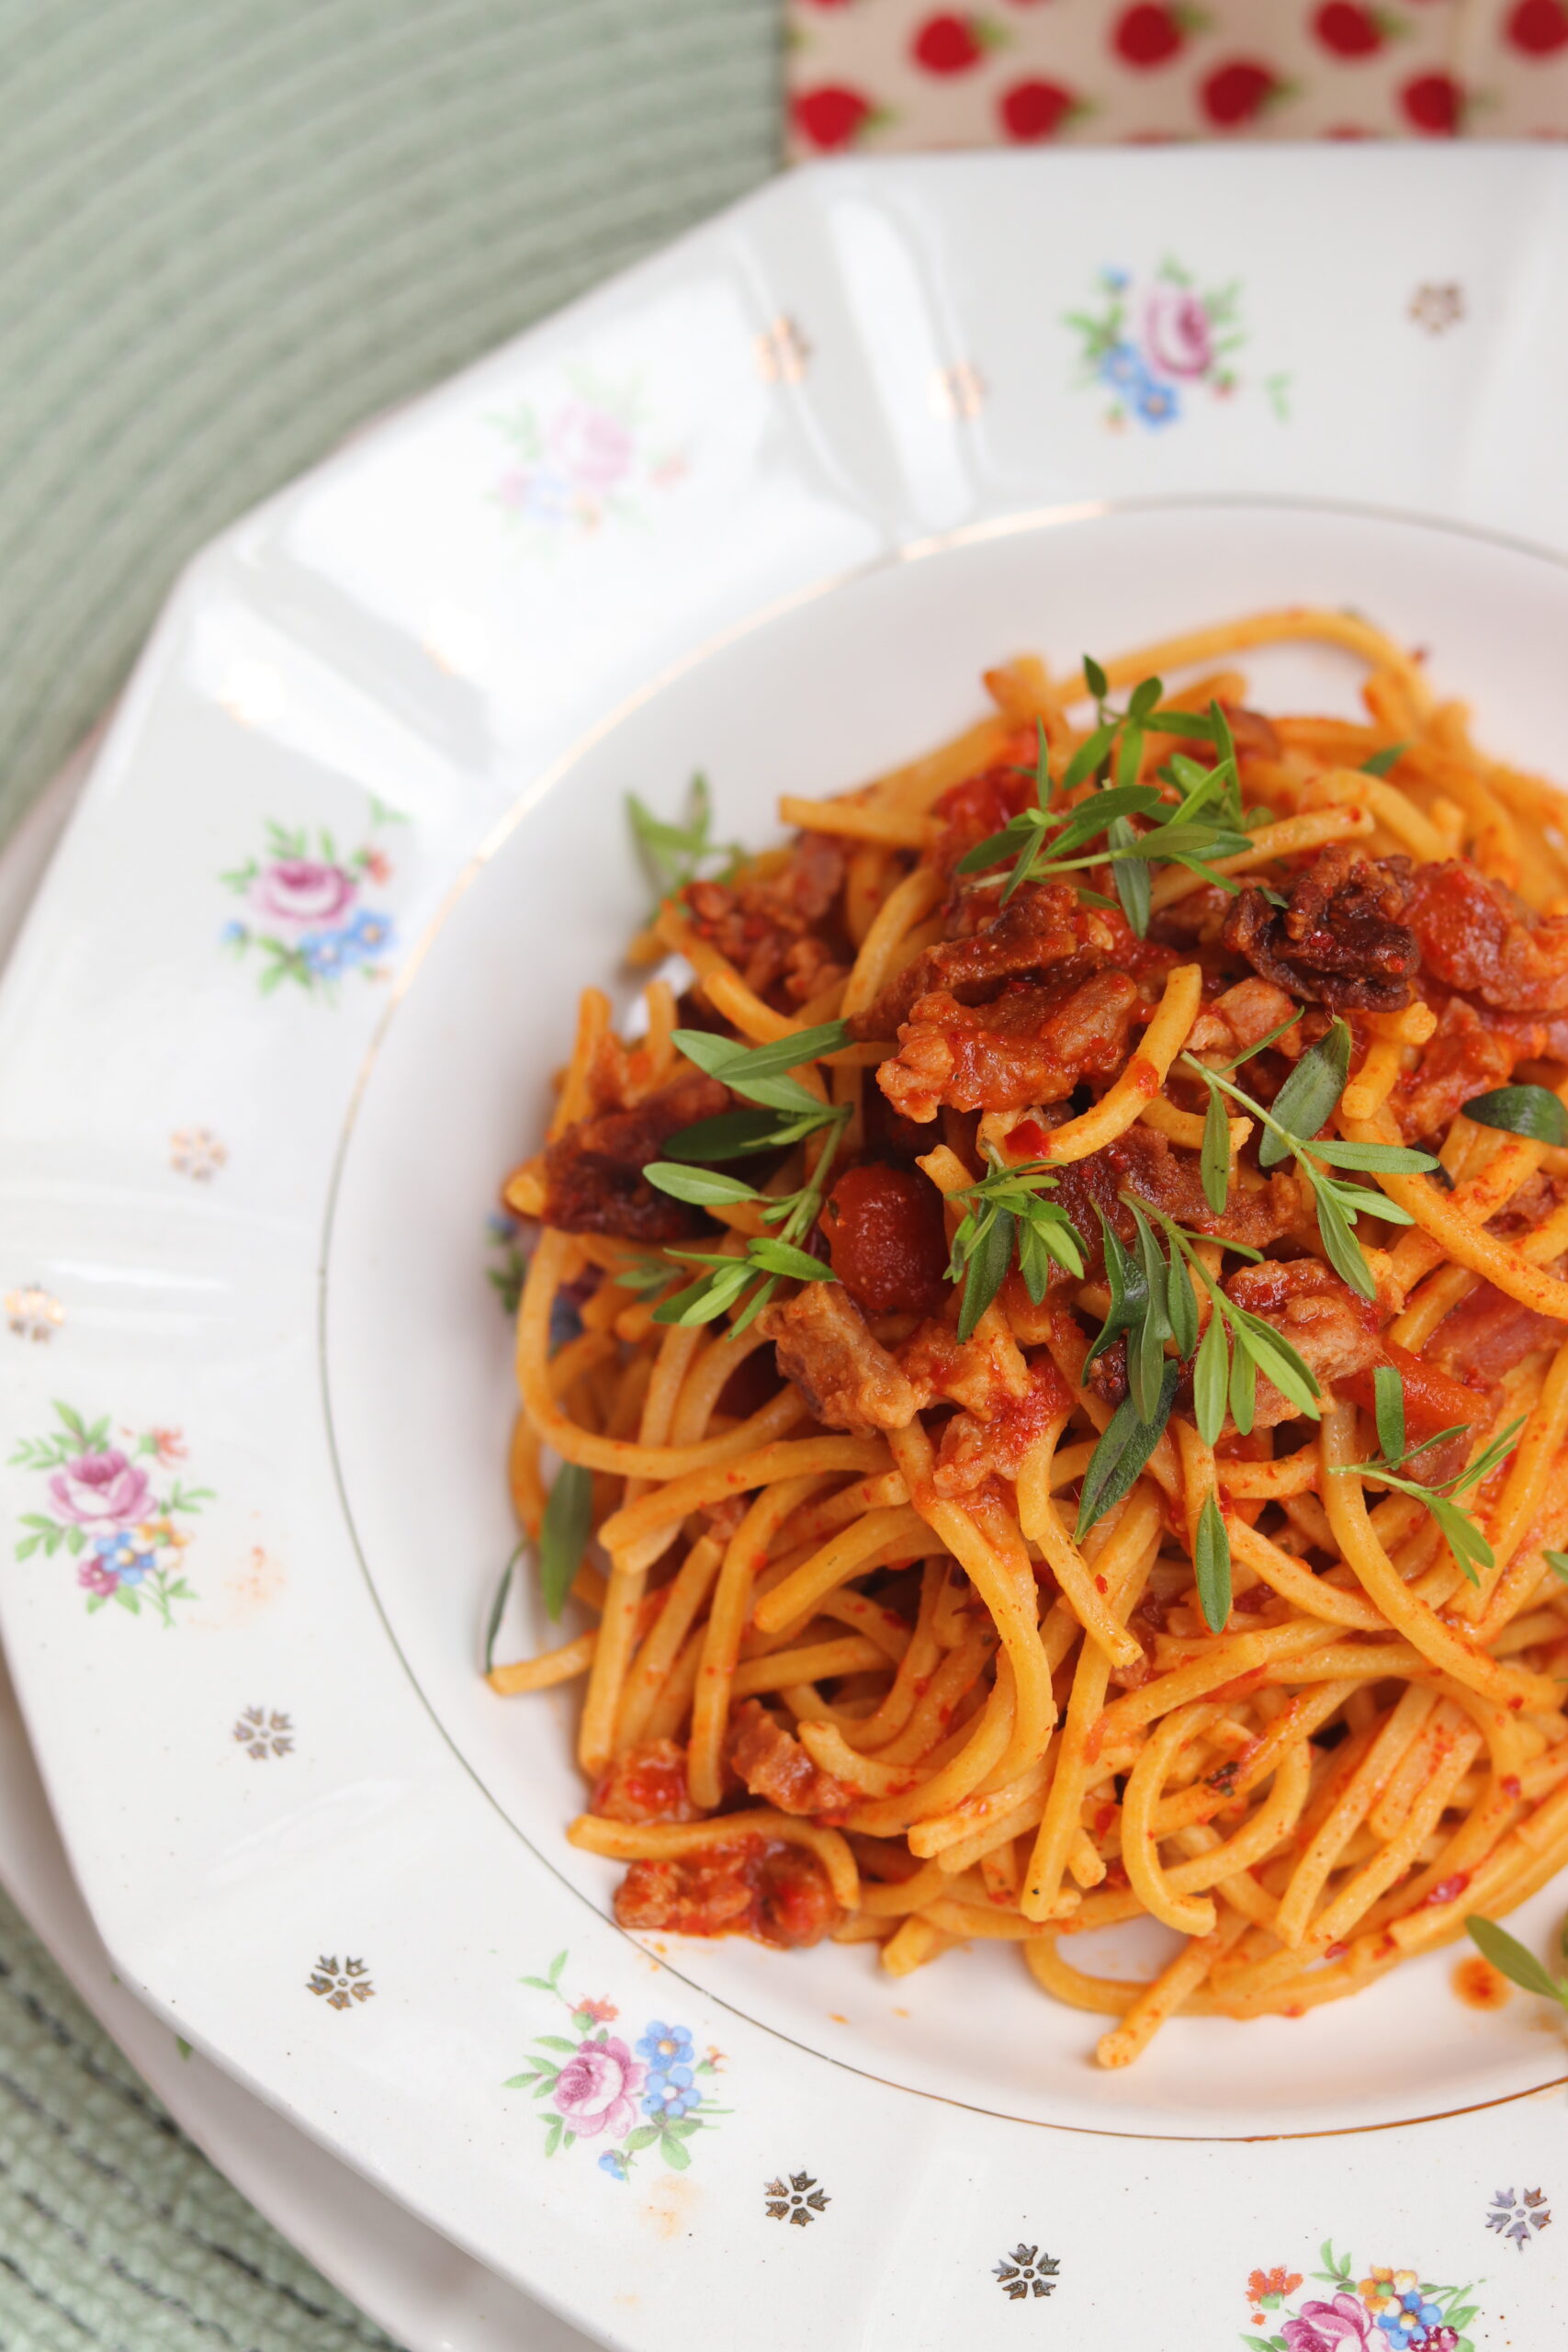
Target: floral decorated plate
288,1004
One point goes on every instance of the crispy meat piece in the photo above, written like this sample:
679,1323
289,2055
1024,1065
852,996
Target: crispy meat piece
1196,921
593,1179
1232,1023
848,1378
1487,1334
1042,925
1333,1331
647,1784
1340,940
760,924
982,1373
1466,1054
756,1886
1150,1165
972,1450
1477,936
1033,1046
774,1767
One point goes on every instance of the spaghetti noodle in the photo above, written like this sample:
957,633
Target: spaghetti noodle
1072,1403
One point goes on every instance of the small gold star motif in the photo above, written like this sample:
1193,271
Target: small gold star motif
198,1153
960,391
32,1313
782,353
1438,307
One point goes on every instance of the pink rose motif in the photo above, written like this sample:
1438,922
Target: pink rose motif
595,449
596,2089
1177,338
1329,2327
95,1578
101,1490
301,890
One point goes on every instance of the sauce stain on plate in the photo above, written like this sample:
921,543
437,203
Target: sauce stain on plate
1480,1985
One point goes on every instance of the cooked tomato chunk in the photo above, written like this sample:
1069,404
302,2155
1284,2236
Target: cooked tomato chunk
886,1238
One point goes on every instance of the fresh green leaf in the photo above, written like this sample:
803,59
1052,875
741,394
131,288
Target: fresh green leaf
1087,757
1388,1389
722,1058
1211,1376
699,1185
1512,1960
777,1257
1380,763
706,1299
1558,1563
1129,878
564,1534
1191,723
1211,1560
498,1606
987,1267
1276,1360
1369,1159
1125,1447
1214,1160
736,1134
1532,1111
1095,678
1182,1308
1306,1100
1145,1346
676,853
1243,1385
783,1054
1339,1243
1128,1297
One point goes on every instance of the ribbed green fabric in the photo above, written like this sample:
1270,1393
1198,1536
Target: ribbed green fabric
229,230
114,2230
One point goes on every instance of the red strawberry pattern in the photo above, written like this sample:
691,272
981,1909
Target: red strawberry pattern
1032,110
830,117
1235,92
1537,28
1433,104
1149,34
882,75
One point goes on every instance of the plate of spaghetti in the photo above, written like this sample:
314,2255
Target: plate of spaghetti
1037,1344
786,1166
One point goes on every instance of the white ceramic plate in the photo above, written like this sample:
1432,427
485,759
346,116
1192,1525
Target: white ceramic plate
765,507
428,2294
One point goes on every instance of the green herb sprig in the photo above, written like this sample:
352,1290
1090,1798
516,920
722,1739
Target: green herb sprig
1302,1107
676,853
559,1549
1008,1209
790,1112
1050,839
1152,1303
1512,1960
1532,1111
1465,1541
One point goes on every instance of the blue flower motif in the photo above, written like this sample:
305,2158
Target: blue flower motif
328,953
368,935
1156,403
501,1228
1116,280
664,2046
669,2094
233,935
613,2162
1123,366
129,1557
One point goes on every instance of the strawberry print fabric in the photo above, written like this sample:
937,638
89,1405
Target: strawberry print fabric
887,74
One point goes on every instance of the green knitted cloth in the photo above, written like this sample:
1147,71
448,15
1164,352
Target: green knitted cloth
230,232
